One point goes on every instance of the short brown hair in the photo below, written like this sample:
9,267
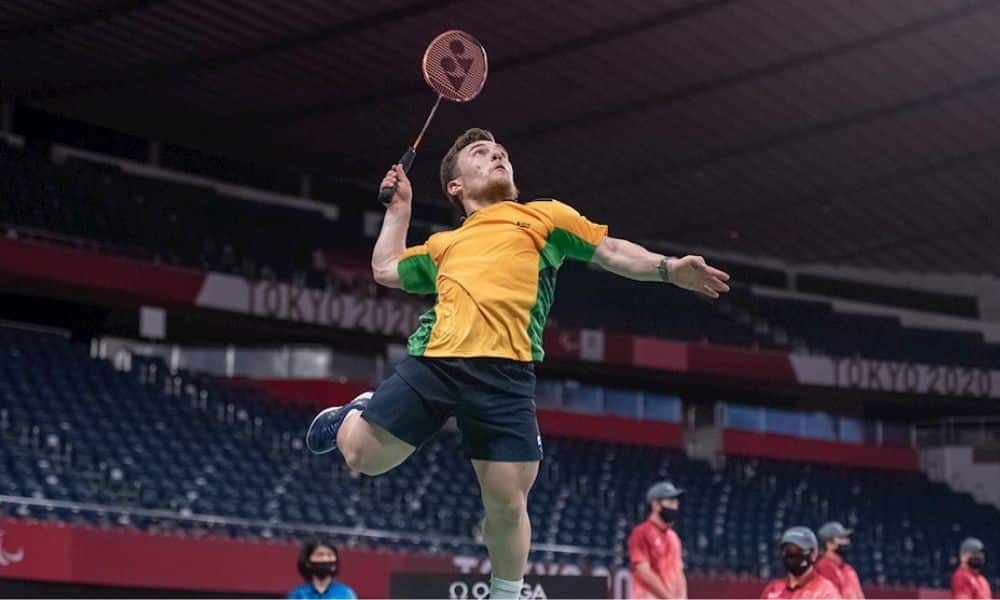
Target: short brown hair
451,158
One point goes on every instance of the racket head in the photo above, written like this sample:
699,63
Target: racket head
455,66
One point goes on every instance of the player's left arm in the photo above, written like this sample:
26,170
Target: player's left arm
578,238
631,260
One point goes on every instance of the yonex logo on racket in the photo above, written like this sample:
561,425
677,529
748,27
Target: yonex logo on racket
452,64
455,65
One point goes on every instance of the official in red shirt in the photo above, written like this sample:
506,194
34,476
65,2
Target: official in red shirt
968,580
654,549
836,542
799,551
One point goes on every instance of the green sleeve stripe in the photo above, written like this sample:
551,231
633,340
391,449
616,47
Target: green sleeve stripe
549,261
417,344
540,311
571,245
551,256
418,274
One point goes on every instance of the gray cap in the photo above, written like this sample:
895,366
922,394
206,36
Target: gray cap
971,545
803,537
663,489
833,529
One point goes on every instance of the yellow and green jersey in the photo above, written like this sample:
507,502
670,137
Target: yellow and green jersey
495,279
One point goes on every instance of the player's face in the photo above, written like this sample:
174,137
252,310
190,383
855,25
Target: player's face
673,503
485,172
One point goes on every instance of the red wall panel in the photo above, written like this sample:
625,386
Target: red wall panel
608,428
122,557
784,447
110,278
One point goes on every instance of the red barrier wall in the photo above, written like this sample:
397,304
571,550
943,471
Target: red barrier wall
785,447
128,558
740,363
608,428
122,557
109,278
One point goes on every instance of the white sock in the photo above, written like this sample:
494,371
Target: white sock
503,589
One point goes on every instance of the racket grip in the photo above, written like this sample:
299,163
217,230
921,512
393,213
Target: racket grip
385,194
407,159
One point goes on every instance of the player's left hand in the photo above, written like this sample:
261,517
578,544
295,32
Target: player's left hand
693,273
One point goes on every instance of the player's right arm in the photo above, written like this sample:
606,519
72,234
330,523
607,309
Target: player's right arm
393,264
391,241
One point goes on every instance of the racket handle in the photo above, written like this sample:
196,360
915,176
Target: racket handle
385,194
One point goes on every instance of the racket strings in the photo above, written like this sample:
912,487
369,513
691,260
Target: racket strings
455,66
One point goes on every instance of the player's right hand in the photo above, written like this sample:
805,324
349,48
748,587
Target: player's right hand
396,176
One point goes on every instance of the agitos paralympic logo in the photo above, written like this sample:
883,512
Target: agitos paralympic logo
9,558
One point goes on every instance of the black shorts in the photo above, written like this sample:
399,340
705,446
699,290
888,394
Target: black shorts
492,399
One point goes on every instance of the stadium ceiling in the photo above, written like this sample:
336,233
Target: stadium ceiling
864,132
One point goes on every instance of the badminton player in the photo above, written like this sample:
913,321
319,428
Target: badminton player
473,354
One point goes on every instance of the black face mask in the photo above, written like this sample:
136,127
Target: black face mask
668,514
843,551
323,569
797,564
977,562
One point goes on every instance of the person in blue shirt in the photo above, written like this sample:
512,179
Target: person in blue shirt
318,565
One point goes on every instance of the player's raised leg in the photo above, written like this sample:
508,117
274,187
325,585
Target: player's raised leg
368,448
376,431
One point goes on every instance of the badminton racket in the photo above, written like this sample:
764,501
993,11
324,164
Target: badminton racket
455,67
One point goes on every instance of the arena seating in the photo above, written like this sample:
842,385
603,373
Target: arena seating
194,226
658,311
815,326
75,429
174,223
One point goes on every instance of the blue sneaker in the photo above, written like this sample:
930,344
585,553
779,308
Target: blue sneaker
322,435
